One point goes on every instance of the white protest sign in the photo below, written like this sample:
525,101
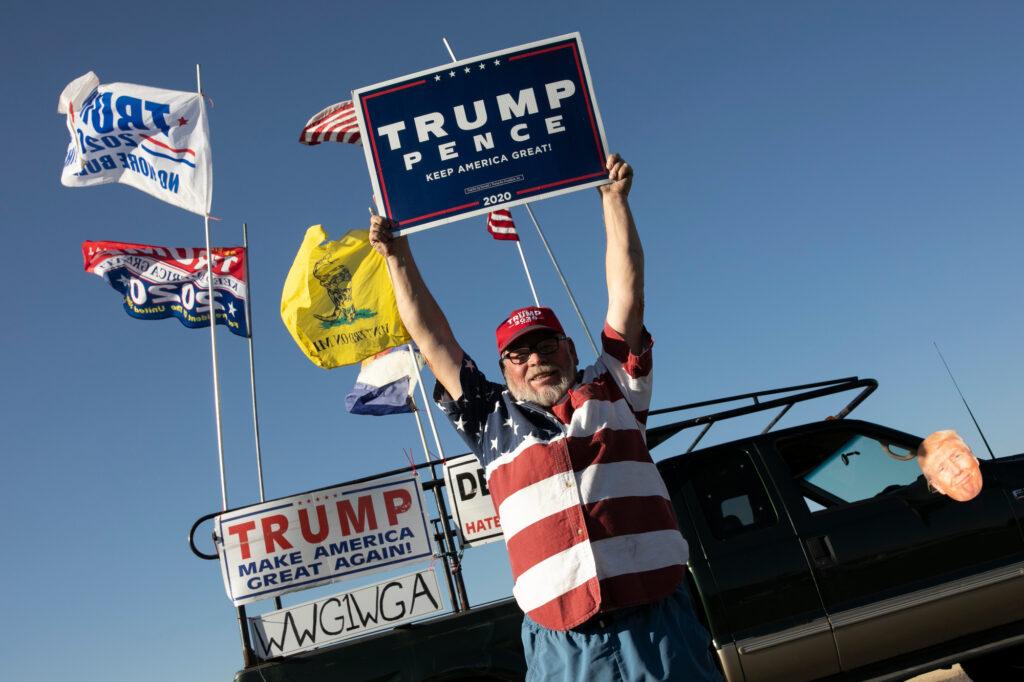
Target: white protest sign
346,615
321,537
471,501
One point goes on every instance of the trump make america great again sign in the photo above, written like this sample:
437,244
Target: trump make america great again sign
496,130
321,537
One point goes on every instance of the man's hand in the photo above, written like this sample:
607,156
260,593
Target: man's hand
621,175
381,238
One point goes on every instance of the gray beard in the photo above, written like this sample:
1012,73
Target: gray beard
546,396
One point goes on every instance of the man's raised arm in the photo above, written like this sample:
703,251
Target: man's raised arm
419,311
624,255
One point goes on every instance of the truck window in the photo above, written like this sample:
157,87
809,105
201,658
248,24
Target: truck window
838,467
732,496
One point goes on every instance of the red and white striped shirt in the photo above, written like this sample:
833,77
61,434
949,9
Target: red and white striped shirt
587,519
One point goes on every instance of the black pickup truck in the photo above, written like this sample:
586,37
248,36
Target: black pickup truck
816,552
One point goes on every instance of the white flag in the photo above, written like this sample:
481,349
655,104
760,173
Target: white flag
151,139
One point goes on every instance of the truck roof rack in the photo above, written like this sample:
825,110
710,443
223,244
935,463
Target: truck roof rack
659,434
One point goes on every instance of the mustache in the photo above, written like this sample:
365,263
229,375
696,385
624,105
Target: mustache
542,369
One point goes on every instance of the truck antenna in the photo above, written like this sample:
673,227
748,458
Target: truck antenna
957,386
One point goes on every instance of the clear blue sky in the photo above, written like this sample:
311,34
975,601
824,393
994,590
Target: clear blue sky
823,189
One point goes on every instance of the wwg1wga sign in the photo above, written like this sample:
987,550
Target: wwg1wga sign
346,615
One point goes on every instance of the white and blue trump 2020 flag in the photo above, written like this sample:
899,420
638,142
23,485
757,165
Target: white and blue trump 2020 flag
151,139
385,383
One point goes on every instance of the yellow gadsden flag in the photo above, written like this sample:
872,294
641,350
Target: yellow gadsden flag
338,302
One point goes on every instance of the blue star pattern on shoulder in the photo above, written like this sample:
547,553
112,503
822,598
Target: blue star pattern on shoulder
489,419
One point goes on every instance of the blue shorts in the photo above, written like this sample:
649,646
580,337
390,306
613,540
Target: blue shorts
660,641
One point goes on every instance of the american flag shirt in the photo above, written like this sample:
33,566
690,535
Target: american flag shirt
587,519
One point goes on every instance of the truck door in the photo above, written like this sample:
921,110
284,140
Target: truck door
900,567
765,615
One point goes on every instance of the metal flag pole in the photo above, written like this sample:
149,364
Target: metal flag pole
252,360
442,538
551,255
213,336
252,373
568,290
248,658
526,268
416,411
426,402
442,508
419,427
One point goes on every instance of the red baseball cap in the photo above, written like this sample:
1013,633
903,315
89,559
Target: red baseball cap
523,321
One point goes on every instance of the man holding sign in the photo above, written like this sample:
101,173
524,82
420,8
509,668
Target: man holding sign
593,542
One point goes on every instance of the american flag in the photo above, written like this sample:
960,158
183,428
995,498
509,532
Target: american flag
336,123
587,519
500,225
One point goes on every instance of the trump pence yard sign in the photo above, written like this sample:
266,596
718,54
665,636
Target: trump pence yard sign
496,130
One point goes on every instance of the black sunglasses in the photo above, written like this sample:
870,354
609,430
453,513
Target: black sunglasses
546,346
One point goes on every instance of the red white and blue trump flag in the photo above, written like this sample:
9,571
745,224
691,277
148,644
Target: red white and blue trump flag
158,282
153,140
